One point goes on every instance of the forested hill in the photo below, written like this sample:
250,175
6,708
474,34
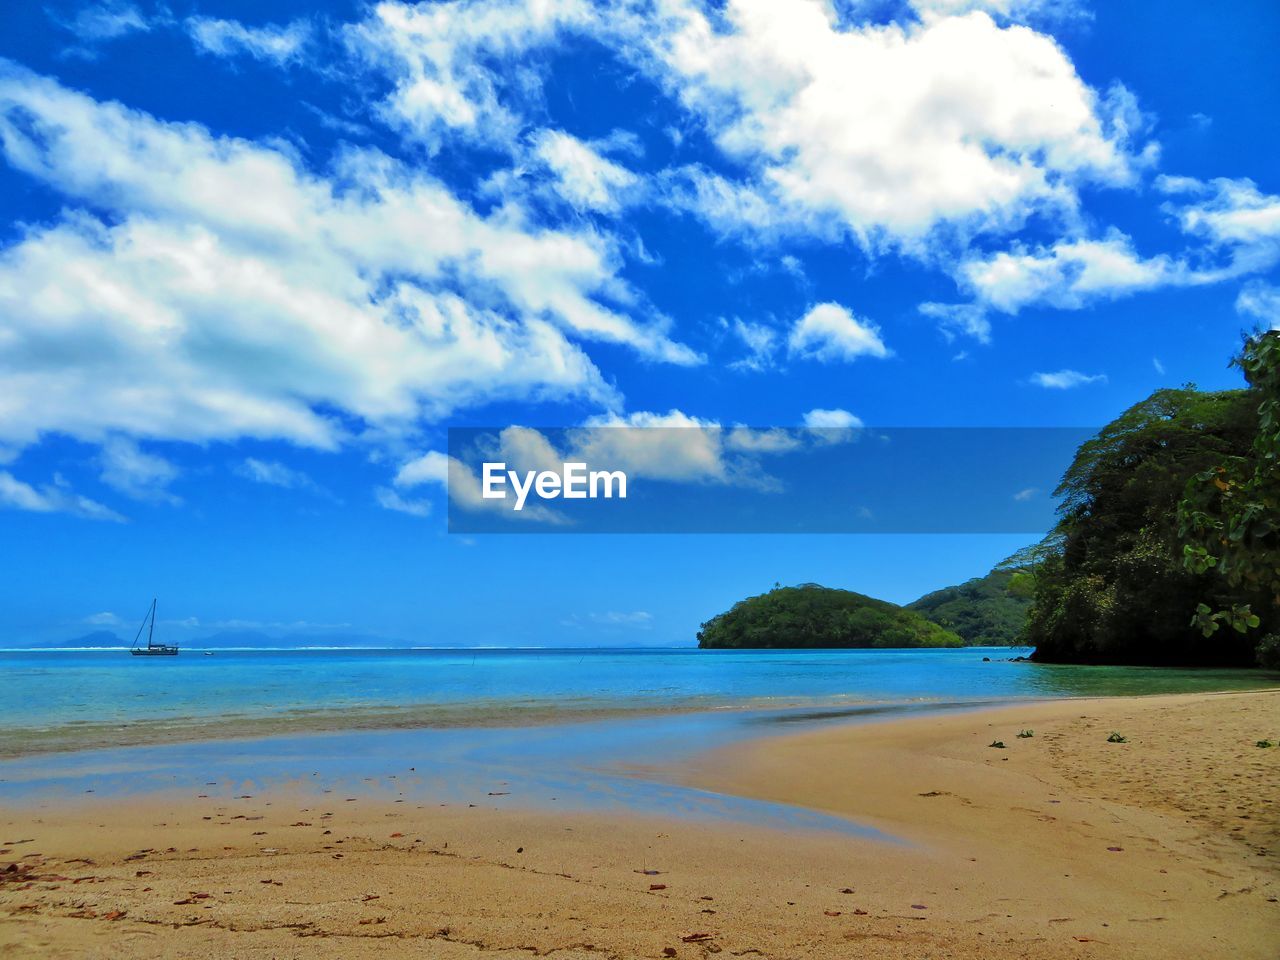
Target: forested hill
1167,550
985,611
814,616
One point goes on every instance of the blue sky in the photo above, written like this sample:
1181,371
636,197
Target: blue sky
257,258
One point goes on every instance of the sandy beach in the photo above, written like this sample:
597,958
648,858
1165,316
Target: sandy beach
1059,845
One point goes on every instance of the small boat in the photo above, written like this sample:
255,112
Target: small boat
152,649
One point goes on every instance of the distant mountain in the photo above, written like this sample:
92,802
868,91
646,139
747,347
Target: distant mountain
98,638
815,616
986,611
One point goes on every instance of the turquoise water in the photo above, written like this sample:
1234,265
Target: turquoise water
67,700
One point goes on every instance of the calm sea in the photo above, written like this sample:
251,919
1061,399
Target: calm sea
565,730
70,700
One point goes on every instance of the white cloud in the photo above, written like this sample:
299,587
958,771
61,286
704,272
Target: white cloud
1238,224
969,319
229,293
1023,496
1159,367
1015,10
836,419
890,130
584,178
766,441
431,467
276,474
277,43
664,446
56,497
462,486
761,342
1261,301
444,60
830,333
1069,274
104,619
1066,379
110,20
1233,216
143,476
392,500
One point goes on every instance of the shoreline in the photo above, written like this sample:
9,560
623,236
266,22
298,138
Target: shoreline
1056,845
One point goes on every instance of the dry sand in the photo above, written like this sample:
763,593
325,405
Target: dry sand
1060,845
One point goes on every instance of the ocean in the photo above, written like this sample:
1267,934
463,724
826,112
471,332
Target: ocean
550,727
62,700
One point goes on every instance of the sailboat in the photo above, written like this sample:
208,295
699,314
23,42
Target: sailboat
152,649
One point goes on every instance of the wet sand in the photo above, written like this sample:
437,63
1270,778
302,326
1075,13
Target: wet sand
1059,845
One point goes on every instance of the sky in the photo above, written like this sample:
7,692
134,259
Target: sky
257,259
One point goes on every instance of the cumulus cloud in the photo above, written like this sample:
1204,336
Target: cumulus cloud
55,497
1067,274
836,419
1066,379
280,44
829,333
889,130
230,293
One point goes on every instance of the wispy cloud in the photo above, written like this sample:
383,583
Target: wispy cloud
1066,379
280,44
276,474
55,497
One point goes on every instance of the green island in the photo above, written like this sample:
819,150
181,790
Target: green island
814,616
1166,551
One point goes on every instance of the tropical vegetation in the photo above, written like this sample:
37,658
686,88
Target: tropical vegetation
814,616
1165,551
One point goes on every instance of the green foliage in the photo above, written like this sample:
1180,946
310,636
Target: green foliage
1117,738
1026,734
815,616
986,611
1110,585
1230,513
997,744
1264,744
1268,651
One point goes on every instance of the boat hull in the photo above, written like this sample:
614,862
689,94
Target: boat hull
155,652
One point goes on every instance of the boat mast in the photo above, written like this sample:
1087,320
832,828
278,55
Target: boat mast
152,629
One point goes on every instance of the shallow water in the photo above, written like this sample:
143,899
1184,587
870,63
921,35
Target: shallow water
68,700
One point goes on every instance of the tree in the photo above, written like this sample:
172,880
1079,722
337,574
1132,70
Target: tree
1229,516
1110,585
